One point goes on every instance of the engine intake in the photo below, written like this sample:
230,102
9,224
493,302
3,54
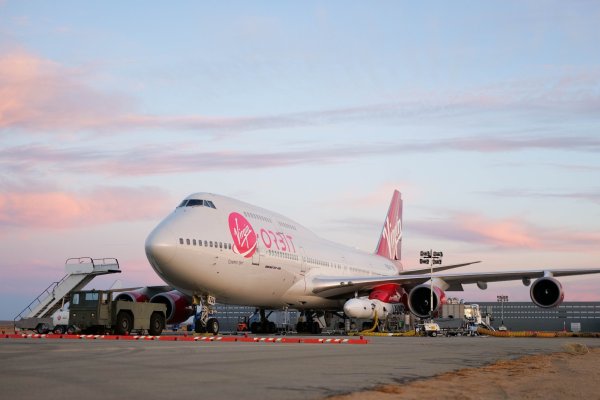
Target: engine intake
419,300
178,307
546,292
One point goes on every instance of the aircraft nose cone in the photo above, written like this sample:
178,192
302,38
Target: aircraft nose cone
161,246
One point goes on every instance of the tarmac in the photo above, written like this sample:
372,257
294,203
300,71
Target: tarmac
102,369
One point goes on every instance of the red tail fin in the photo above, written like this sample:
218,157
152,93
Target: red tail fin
390,242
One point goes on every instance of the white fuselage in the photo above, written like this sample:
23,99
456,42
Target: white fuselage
246,255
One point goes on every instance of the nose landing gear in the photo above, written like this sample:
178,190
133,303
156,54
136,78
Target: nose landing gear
204,323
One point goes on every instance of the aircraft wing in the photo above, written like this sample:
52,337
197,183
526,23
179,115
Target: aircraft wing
436,269
330,286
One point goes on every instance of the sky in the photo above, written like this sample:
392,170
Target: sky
485,115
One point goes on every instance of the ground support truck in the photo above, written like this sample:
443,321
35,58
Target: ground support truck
95,311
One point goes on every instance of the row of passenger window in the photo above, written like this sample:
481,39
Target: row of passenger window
286,225
206,243
282,254
257,217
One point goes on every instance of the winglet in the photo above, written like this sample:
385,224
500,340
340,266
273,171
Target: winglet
390,241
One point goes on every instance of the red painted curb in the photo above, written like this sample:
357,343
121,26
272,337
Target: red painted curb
227,339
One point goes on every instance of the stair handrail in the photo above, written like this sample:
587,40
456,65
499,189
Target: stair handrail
46,292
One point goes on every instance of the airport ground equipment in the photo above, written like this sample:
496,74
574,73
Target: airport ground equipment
79,272
429,329
95,311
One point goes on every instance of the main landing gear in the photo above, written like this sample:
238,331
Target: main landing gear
204,323
310,322
264,325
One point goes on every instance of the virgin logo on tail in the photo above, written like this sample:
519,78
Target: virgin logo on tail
392,236
389,245
244,237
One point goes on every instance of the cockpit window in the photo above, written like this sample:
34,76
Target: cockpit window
197,203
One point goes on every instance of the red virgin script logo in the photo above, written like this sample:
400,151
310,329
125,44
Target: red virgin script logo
244,238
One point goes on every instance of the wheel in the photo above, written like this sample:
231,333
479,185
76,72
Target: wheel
124,323
157,324
60,329
212,326
255,327
70,330
316,328
42,328
272,327
301,327
199,327
433,334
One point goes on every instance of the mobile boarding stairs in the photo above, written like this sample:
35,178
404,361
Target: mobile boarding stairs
79,272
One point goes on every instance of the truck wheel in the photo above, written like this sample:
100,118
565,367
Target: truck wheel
124,323
60,329
212,326
157,324
433,334
42,328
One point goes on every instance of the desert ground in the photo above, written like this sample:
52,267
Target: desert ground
573,373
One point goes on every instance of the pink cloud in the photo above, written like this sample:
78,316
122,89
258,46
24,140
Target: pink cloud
508,233
504,233
57,209
38,94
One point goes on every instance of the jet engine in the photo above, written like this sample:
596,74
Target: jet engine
419,300
137,296
546,292
178,306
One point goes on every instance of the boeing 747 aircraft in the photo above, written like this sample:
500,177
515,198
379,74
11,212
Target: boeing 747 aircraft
213,248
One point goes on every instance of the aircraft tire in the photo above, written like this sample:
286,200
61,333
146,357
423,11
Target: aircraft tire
212,326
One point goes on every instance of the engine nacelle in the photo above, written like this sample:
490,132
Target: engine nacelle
546,292
137,296
178,306
419,300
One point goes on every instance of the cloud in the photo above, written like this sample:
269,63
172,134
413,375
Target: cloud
592,196
155,159
38,95
58,209
510,233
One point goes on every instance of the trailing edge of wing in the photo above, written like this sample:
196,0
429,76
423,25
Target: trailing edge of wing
331,286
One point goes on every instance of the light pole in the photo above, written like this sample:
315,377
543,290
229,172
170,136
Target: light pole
502,299
431,257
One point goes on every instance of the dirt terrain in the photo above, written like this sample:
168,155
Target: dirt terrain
571,374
